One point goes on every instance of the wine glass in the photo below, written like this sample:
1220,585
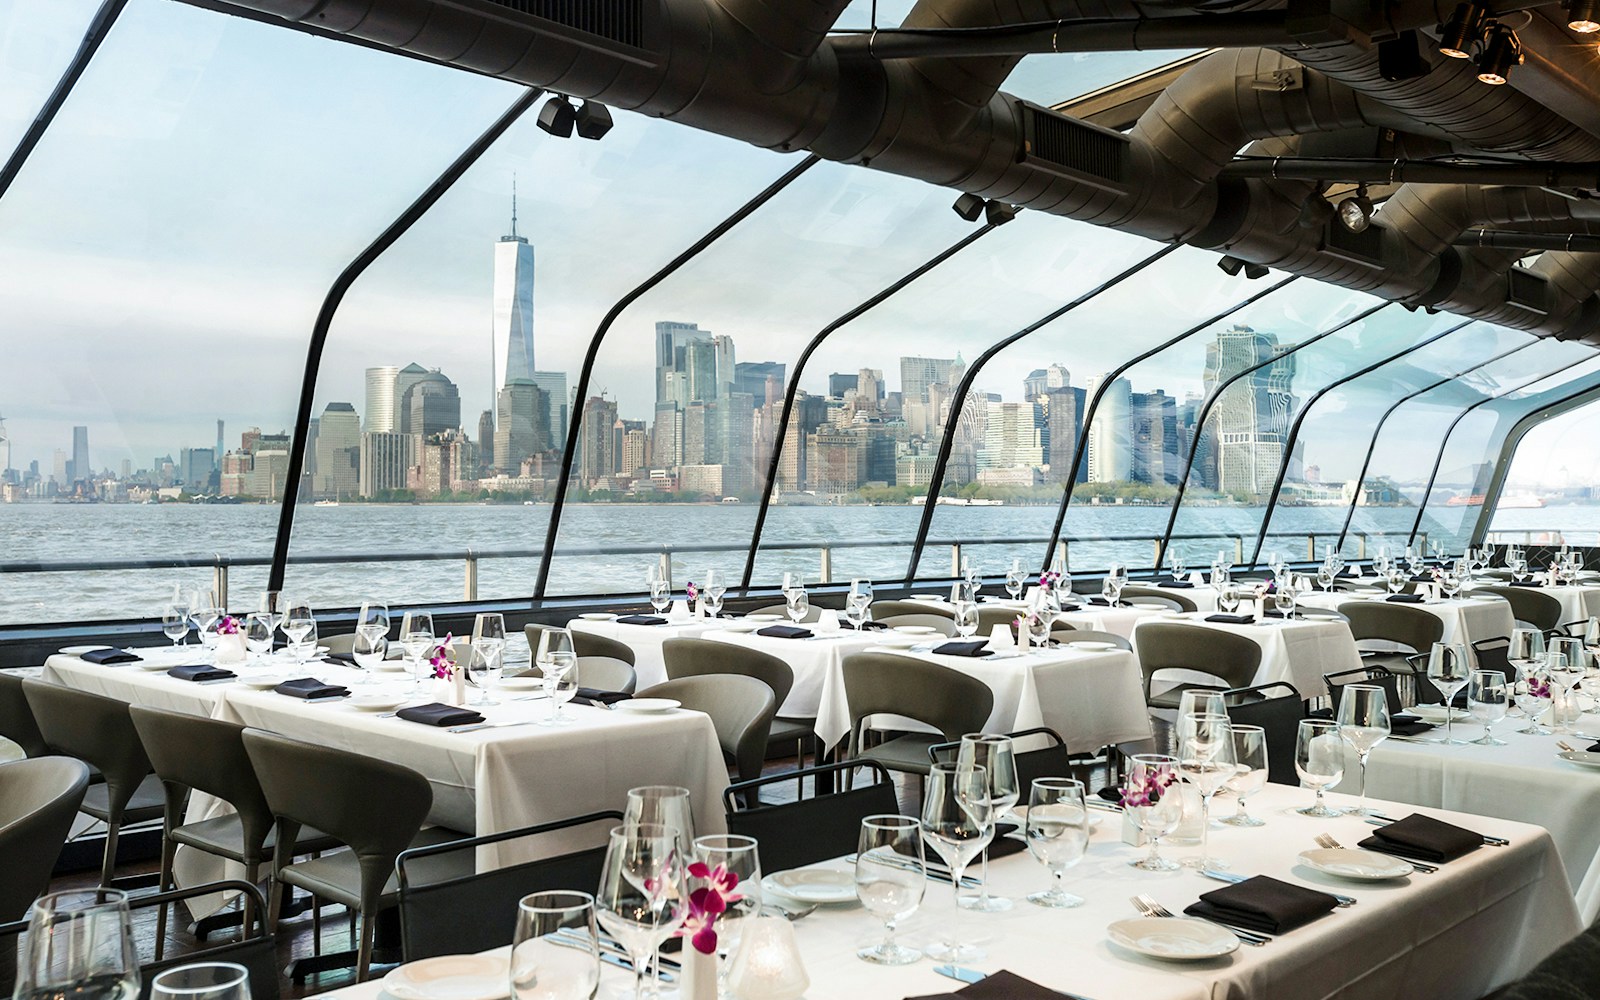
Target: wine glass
1319,761
1533,697
1193,702
179,603
957,823
79,945
996,755
1175,564
1325,576
966,619
488,654
1518,567
416,634
1527,647
797,604
1488,700
1228,598
740,856
663,805
560,685
715,588
205,612
368,650
273,604
175,623
1249,771
1565,664
1449,670
202,981
1363,723
1284,600
555,952
1108,590
660,593
258,633
1057,830
1117,577
1396,580
1155,807
298,624
1015,580
1061,590
641,894
1205,760
891,878
855,612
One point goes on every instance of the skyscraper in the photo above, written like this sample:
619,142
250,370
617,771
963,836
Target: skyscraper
381,399
513,302
80,454
556,404
918,374
217,454
522,429
1110,451
594,447
404,379
671,337
1250,419
338,452
432,405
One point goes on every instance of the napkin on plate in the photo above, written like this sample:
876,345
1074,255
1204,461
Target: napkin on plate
1071,607
1423,838
1000,985
1231,619
785,632
1275,613
1405,599
310,687
593,695
341,659
1408,725
1171,583
436,714
104,656
873,626
1099,602
1422,578
641,620
977,647
201,672
1525,583
1263,904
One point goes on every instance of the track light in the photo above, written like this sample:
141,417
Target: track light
1356,211
998,213
594,120
1581,16
1458,35
1233,265
1254,271
1502,51
557,117
969,207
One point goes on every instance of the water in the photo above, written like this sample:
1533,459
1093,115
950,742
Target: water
97,532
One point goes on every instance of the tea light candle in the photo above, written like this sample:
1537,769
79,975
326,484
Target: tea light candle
767,965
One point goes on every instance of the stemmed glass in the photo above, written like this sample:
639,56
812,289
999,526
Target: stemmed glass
416,634
1319,761
555,953
175,624
891,878
1564,664
372,637
178,605
1062,589
797,604
1449,670
299,624
1249,771
273,604
79,945
1363,723
663,805
1205,760
1057,830
488,654
1015,580
1228,598
738,855
641,894
1527,648
1284,599
258,634
957,822
1193,702
1175,564
966,619
1518,567
1116,579
715,587
660,591
202,981
1148,797
556,659
1325,574
205,612
997,757
1533,697
1488,700
858,606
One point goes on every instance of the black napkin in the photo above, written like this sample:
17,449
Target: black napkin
436,714
1111,793
1099,602
641,620
1232,619
1000,985
104,656
201,672
972,648
1408,725
1263,904
1003,846
341,659
1423,838
1593,749
1526,583
1071,607
1422,578
1170,583
785,632
592,695
1275,613
873,626
1405,598
310,687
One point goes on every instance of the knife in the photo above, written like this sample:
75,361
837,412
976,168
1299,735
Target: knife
1236,879
1379,819
474,727
969,976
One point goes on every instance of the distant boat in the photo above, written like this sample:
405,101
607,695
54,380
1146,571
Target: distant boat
326,503
1511,501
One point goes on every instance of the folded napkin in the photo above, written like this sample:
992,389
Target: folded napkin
1099,602
641,620
1111,793
1405,599
785,632
1000,985
435,714
1231,619
310,687
1422,578
201,672
873,626
1275,613
1408,725
1003,846
977,647
1525,583
593,695
1595,748
341,659
1071,607
1170,583
104,656
1423,838
1263,904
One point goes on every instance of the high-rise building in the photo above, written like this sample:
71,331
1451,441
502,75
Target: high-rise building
751,377
521,425
840,383
432,405
918,374
594,444
407,377
671,337
385,457
380,410
1250,418
635,458
338,451
727,366
1064,425
513,302
194,468
699,366
557,406
1013,435
217,455
666,436
1110,451
80,455
1153,436
1042,380
486,442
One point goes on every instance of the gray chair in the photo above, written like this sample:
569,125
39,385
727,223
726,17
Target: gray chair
1170,599
989,616
740,708
1062,632
1277,708
1529,605
585,643
951,702
893,609
99,731
699,657
945,626
375,807
804,831
1232,659
603,673
1052,760
813,612
1399,624
38,799
16,718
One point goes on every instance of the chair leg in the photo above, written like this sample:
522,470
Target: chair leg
316,924
168,849
364,953
108,865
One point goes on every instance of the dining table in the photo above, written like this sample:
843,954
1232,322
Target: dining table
1297,651
1466,619
649,663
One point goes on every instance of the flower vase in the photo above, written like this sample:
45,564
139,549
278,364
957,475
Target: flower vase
698,979
458,687
230,648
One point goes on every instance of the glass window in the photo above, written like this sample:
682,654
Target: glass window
38,39
1550,492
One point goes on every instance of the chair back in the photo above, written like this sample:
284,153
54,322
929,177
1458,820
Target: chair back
95,729
808,830
741,711
893,609
1066,633
945,626
1494,654
603,673
1529,604
470,913
1170,599
1381,676
1277,708
935,695
592,644
1227,656
16,718
1399,623
700,657
1049,761
990,616
38,799
813,611
191,751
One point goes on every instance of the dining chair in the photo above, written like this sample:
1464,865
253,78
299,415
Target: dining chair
1494,654
584,643
1569,973
813,611
947,700
1169,599
603,673
1529,605
1413,629
1229,657
374,807
691,657
99,731
893,609
740,708
944,626
989,617
1277,708
17,723
1370,674
38,800
806,830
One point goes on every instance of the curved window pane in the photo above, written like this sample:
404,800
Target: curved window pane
38,39
166,250
1550,492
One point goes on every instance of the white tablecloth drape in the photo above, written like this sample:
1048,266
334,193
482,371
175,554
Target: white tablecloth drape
1465,620
649,666
1298,652
1096,617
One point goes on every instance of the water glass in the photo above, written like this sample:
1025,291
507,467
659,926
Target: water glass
488,655
1319,761
1449,670
1533,696
560,686
202,981
368,650
555,953
714,588
966,619
1205,760
300,624
205,611
79,946
1057,830
1488,701
663,805
997,756
175,623
642,894
1015,580
1284,599
1228,598
797,604
660,595
957,823
1527,648
416,634
1193,702
1249,771
741,857
891,878
1149,797
258,631
1363,723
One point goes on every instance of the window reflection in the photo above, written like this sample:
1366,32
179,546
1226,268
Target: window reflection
1552,489
38,39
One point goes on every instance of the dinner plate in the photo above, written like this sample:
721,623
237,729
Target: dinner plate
1019,816
1149,605
763,618
1091,644
451,977
1583,757
813,885
80,650
156,664
1173,614
915,629
1174,939
1357,865
264,682
899,641
524,682
1436,713
598,616
647,706
375,702
742,626
926,597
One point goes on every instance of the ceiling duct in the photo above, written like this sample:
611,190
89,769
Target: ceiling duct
630,24
1528,291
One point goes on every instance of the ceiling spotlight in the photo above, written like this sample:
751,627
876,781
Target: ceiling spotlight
1230,264
1233,265
557,117
1253,271
1581,16
969,207
1464,29
1502,51
998,213
594,120
1356,211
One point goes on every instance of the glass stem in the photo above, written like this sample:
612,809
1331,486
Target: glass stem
1239,812
983,876
1205,825
1155,851
887,947
1361,807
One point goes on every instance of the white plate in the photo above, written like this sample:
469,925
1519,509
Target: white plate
1019,816
263,683
1436,713
1091,644
647,706
813,885
1173,939
927,597
80,650
899,641
152,664
1149,605
451,977
1173,614
1583,757
915,629
1355,865
598,616
288,654
738,626
375,702
763,618
522,683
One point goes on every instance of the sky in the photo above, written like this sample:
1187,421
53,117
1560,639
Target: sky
165,252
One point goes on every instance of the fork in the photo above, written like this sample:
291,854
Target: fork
1323,840
1568,747
1150,908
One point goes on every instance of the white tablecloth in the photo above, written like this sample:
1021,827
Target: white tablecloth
1095,617
1298,652
1465,621
812,661
1577,603
649,666
1481,922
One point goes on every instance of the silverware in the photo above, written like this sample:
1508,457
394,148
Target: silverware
1236,879
474,727
1150,908
779,910
934,872
1323,840
1379,819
